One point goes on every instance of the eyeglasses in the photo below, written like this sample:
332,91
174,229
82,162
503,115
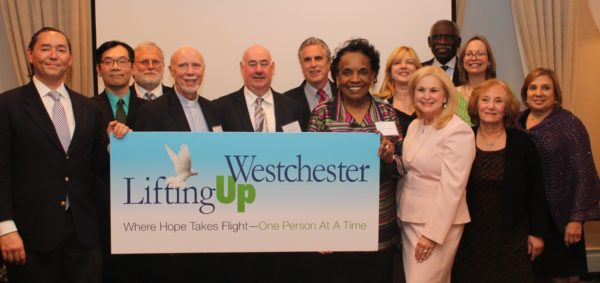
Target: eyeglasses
121,62
475,54
447,37
147,62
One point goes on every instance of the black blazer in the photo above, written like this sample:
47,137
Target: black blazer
300,97
522,185
455,76
107,114
36,174
237,119
166,114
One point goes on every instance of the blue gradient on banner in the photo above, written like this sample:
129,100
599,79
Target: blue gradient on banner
140,158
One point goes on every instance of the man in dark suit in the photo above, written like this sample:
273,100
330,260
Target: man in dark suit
444,40
53,152
315,57
181,109
118,100
256,107
148,71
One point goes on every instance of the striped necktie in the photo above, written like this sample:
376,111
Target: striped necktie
322,96
260,123
149,96
59,119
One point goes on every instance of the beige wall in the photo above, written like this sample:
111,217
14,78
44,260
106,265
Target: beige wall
585,99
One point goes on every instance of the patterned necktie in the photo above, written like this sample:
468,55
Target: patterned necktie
322,96
59,119
121,116
149,96
260,123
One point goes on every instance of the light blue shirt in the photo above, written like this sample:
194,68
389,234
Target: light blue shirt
193,114
113,99
312,97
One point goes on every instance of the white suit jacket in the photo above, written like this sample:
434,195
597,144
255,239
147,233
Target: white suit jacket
438,163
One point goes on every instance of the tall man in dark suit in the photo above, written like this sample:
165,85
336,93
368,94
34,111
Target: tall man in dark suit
148,71
117,101
315,57
444,40
53,152
256,107
181,109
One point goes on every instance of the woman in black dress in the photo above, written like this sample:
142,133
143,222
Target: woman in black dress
401,64
505,194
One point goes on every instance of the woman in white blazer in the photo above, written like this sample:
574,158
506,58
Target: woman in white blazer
438,152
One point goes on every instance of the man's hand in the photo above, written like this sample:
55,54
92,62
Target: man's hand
119,130
12,248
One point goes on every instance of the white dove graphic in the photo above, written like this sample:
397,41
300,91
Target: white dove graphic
183,167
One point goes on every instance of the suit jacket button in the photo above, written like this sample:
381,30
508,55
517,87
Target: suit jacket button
63,203
67,179
67,157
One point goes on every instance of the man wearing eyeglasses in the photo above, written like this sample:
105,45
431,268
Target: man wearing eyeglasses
114,65
148,71
444,40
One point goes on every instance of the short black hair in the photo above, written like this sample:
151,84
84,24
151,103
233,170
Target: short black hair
359,45
35,36
111,44
34,39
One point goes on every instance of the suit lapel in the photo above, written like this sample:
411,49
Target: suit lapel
80,119
37,111
279,111
176,112
242,111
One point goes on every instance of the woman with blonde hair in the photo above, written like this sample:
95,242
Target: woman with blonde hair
438,152
401,64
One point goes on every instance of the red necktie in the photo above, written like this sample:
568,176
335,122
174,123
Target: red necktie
322,96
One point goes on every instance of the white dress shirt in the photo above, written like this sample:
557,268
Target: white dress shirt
141,92
451,64
268,106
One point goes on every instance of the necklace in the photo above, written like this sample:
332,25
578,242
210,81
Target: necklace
489,143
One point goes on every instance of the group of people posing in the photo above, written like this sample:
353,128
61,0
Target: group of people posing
471,190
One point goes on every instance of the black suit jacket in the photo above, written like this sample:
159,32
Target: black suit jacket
523,195
166,114
300,97
237,119
107,114
455,77
36,174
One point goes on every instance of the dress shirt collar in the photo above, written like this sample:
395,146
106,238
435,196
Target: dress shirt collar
157,91
251,97
43,89
186,102
308,88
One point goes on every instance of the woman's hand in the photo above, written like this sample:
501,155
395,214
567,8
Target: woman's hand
572,233
424,249
386,150
535,246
